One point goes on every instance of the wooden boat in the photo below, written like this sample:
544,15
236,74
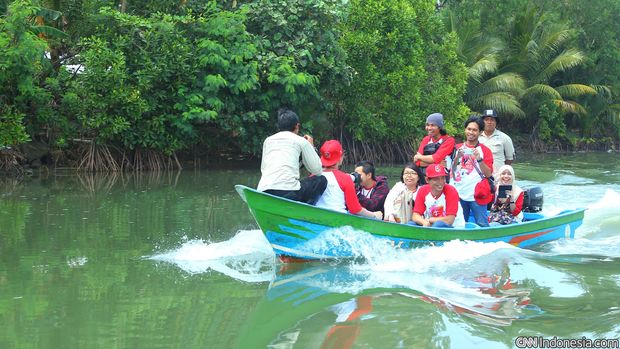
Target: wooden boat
291,227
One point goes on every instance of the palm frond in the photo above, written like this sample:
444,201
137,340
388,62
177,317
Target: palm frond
508,82
570,107
603,90
486,65
542,90
553,36
503,102
575,90
563,62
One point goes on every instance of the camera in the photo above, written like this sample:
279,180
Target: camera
357,178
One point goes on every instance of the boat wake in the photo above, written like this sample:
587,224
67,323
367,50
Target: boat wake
247,257
489,282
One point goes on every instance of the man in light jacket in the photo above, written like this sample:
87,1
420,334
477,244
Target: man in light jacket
283,155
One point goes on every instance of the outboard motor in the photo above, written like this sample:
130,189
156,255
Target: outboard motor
532,199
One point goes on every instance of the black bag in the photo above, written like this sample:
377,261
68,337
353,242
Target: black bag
431,148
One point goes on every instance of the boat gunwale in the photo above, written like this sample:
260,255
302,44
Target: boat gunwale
399,230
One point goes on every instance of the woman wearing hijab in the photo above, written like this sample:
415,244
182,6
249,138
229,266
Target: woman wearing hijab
507,208
399,202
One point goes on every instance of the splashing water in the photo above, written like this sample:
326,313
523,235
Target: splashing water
247,256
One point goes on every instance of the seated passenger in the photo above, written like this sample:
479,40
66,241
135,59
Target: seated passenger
283,155
340,192
399,202
507,208
373,189
437,203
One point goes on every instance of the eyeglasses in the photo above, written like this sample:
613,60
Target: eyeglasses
409,173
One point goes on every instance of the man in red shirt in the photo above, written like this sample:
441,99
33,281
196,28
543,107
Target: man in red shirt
436,203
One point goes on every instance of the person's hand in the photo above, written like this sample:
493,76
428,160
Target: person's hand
378,215
309,139
426,223
477,154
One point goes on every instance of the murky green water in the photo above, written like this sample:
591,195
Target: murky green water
79,268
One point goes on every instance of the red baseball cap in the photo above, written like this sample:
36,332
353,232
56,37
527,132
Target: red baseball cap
331,153
435,170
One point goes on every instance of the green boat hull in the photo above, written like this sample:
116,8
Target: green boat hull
290,227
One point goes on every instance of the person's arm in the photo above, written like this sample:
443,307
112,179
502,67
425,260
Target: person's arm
485,160
446,148
423,160
310,158
419,207
419,219
365,213
509,150
452,205
517,206
449,219
420,152
388,205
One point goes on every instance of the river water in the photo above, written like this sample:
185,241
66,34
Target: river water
175,260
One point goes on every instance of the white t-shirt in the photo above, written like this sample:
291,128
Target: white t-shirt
465,177
280,163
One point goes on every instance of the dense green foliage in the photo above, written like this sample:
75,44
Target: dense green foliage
405,69
21,64
124,78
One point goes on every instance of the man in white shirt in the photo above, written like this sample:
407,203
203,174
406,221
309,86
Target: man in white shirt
283,155
496,140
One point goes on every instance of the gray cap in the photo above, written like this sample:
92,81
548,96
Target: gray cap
435,119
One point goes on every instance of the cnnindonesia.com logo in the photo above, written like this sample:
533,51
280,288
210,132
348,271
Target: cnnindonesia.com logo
555,342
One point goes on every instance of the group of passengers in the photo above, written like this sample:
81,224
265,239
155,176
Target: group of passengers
437,189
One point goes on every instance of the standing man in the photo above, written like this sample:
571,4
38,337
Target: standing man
496,140
373,189
283,155
472,162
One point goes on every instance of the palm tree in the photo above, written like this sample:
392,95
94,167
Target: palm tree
486,86
538,52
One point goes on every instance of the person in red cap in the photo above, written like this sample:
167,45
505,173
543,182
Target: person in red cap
437,203
340,193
